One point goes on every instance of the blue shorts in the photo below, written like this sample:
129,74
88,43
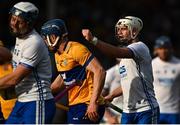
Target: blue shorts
169,118
34,112
145,117
77,112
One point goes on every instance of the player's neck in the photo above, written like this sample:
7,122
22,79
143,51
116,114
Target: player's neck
62,47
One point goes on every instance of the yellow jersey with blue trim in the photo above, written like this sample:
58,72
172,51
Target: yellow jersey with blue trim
7,96
8,93
72,68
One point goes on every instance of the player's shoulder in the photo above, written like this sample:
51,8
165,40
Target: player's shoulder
140,50
155,60
77,50
35,36
76,46
139,46
143,45
176,60
35,39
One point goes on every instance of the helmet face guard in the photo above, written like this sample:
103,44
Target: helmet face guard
52,46
49,43
133,24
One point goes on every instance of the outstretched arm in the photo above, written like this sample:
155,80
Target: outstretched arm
106,48
115,93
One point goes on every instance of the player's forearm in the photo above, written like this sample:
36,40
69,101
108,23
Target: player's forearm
117,92
113,51
15,77
7,81
98,83
57,84
105,48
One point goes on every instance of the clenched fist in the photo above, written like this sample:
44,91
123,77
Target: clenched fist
87,34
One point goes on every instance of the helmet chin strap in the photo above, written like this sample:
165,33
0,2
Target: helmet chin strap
49,42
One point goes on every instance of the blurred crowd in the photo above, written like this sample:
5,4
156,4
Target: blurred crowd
160,17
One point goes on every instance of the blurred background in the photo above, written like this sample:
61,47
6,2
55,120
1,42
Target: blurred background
160,17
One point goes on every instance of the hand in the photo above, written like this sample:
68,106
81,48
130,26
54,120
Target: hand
87,34
108,98
92,113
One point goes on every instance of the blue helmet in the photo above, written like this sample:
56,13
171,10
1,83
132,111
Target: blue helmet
25,10
163,41
54,26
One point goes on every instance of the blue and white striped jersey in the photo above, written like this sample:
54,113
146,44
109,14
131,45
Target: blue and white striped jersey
167,84
32,52
137,80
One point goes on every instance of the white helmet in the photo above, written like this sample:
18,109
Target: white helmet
133,23
26,10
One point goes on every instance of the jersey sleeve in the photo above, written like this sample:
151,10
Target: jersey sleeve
80,53
140,51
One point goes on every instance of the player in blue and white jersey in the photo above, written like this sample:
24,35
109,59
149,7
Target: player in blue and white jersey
139,103
32,69
112,82
166,71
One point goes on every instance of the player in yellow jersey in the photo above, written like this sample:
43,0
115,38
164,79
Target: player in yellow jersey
76,65
6,101
7,96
